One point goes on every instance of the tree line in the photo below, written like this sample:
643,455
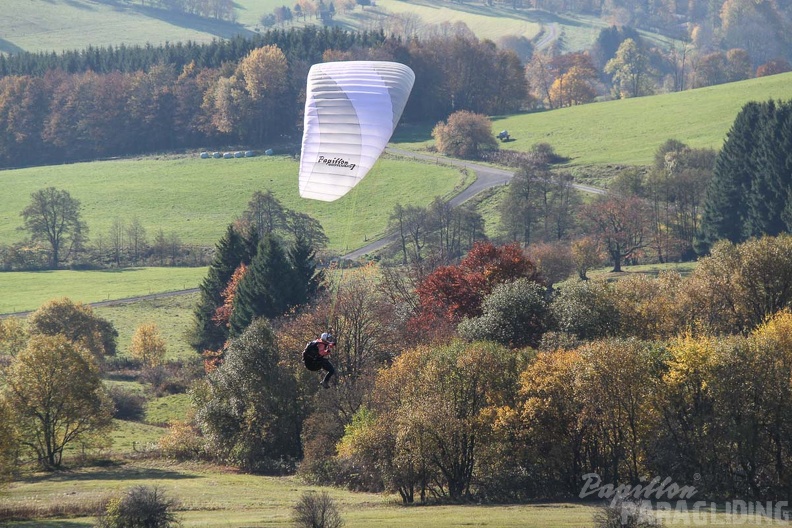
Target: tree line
476,382
58,235
255,99
467,381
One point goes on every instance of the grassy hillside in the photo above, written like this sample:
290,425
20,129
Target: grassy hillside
629,131
43,25
197,198
23,291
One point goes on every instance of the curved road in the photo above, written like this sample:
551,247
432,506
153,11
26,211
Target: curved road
487,177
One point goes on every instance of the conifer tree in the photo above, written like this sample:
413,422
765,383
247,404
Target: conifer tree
231,251
268,289
303,258
725,209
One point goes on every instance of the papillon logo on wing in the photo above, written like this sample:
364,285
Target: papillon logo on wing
336,162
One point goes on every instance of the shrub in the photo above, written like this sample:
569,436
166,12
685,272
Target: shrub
317,510
183,442
141,507
625,513
515,314
129,405
464,135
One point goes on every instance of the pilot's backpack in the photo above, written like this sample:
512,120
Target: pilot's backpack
311,357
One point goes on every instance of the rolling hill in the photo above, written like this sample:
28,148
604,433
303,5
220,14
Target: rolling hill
56,25
628,131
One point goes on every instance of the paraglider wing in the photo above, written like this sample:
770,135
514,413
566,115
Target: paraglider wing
351,110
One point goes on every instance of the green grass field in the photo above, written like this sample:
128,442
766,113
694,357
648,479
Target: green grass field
628,131
197,198
172,315
23,291
216,497
44,25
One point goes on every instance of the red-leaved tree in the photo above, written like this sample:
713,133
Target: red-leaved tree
451,293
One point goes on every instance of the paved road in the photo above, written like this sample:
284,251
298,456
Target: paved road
487,177
550,34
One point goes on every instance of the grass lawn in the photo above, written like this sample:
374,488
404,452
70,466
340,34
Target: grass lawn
211,496
44,25
197,198
628,131
23,291
172,315
57,25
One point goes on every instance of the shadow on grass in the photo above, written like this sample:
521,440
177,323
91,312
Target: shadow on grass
40,523
413,132
110,473
9,47
527,14
218,28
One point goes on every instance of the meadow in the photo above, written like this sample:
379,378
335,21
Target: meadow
25,291
628,131
197,198
57,25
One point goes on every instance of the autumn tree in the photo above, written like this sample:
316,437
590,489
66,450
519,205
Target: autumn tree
546,426
13,336
630,70
247,407
263,75
684,400
615,386
586,254
619,224
554,261
53,216
737,287
451,293
9,442
515,314
148,346
448,431
57,398
650,308
77,323
464,135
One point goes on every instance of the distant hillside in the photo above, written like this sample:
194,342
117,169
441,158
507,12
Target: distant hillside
43,25
628,131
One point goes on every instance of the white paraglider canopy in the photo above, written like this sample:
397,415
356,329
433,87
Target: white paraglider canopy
351,111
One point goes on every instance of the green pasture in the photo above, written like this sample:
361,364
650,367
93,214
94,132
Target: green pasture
217,497
24,291
172,315
628,131
57,25
197,198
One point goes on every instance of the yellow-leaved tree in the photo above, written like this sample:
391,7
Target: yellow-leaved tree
56,398
148,346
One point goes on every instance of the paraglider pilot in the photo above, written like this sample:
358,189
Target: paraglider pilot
315,356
